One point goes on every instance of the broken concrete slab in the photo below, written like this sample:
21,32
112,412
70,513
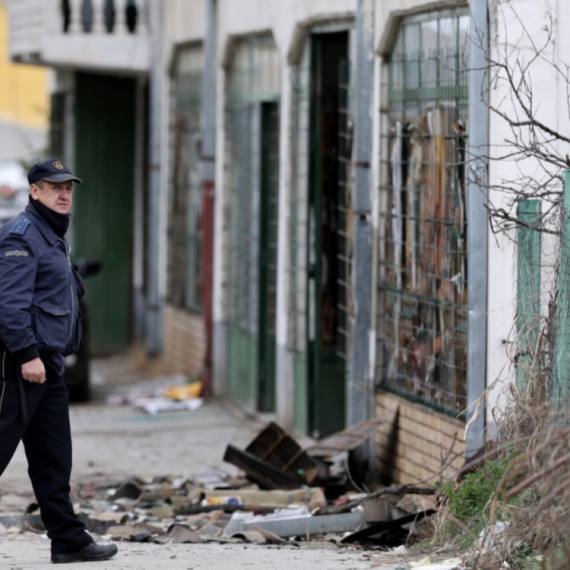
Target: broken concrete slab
125,532
179,534
130,489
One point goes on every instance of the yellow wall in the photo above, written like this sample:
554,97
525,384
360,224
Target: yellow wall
23,88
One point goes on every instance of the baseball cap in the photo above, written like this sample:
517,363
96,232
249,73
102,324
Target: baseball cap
52,170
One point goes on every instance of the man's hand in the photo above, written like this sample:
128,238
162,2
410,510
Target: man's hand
34,371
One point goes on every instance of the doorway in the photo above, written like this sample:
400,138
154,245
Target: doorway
327,232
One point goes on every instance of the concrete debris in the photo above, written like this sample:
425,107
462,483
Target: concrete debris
285,496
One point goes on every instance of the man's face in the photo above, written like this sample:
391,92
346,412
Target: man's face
54,195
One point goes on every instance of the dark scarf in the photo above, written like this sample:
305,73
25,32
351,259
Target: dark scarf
59,223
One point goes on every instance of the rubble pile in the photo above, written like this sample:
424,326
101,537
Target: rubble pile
286,495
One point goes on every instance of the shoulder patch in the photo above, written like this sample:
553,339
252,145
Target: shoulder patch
16,253
20,227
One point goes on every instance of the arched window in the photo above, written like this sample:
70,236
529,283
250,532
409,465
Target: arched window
423,228
185,258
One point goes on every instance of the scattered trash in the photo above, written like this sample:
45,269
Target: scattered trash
169,394
490,538
186,392
284,496
426,564
163,405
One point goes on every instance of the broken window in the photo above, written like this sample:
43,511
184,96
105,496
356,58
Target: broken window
185,271
422,273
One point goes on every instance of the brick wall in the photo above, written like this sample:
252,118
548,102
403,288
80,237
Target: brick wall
414,447
184,341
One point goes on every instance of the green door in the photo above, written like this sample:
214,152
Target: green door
102,220
326,343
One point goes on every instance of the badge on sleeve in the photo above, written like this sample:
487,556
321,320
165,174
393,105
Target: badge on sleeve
20,227
16,253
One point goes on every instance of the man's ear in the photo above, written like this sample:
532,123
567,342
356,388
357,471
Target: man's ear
34,191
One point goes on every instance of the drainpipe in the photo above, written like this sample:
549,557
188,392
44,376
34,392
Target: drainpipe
154,305
477,227
360,388
208,173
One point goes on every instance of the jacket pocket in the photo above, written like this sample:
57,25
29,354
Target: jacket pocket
52,327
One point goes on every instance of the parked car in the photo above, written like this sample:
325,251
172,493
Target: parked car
78,369
13,199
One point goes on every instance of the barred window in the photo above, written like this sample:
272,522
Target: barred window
185,272
252,179
422,273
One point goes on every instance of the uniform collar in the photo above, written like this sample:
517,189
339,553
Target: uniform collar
41,224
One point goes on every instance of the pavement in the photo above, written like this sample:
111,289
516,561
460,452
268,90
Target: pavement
112,443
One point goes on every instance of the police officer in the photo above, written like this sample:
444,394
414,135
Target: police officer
39,325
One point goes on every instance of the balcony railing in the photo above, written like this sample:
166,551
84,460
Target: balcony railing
92,34
104,16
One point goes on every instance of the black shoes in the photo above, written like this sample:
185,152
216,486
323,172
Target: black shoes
92,553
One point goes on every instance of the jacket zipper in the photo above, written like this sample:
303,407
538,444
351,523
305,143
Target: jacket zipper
72,293
3,381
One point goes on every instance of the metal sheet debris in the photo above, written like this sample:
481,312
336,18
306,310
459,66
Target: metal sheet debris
304,525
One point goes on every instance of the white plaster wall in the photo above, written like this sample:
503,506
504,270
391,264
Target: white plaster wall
516,29
281,19
184,22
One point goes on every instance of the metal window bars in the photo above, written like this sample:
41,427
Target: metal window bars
422,287
185,235
253,79
298,219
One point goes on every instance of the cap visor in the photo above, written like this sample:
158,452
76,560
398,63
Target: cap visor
62,178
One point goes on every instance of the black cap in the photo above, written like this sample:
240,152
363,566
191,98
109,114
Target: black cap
52,170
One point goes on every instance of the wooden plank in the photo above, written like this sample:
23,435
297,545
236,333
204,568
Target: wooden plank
349,438
528,290
263,473
560,365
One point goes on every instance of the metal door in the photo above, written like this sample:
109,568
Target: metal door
327,224
103,205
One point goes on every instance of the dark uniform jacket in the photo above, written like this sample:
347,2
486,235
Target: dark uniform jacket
39,292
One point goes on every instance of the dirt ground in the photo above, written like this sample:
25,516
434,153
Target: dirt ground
113,443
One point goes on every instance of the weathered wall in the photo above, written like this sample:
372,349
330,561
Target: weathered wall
184,335
419,442
184,341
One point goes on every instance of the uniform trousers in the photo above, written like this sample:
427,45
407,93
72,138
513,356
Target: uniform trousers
47,442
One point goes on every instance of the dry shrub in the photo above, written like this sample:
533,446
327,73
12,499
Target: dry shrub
528,466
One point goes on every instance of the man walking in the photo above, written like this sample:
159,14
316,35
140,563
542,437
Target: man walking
39,325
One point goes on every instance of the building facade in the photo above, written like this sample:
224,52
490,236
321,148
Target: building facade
339,263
